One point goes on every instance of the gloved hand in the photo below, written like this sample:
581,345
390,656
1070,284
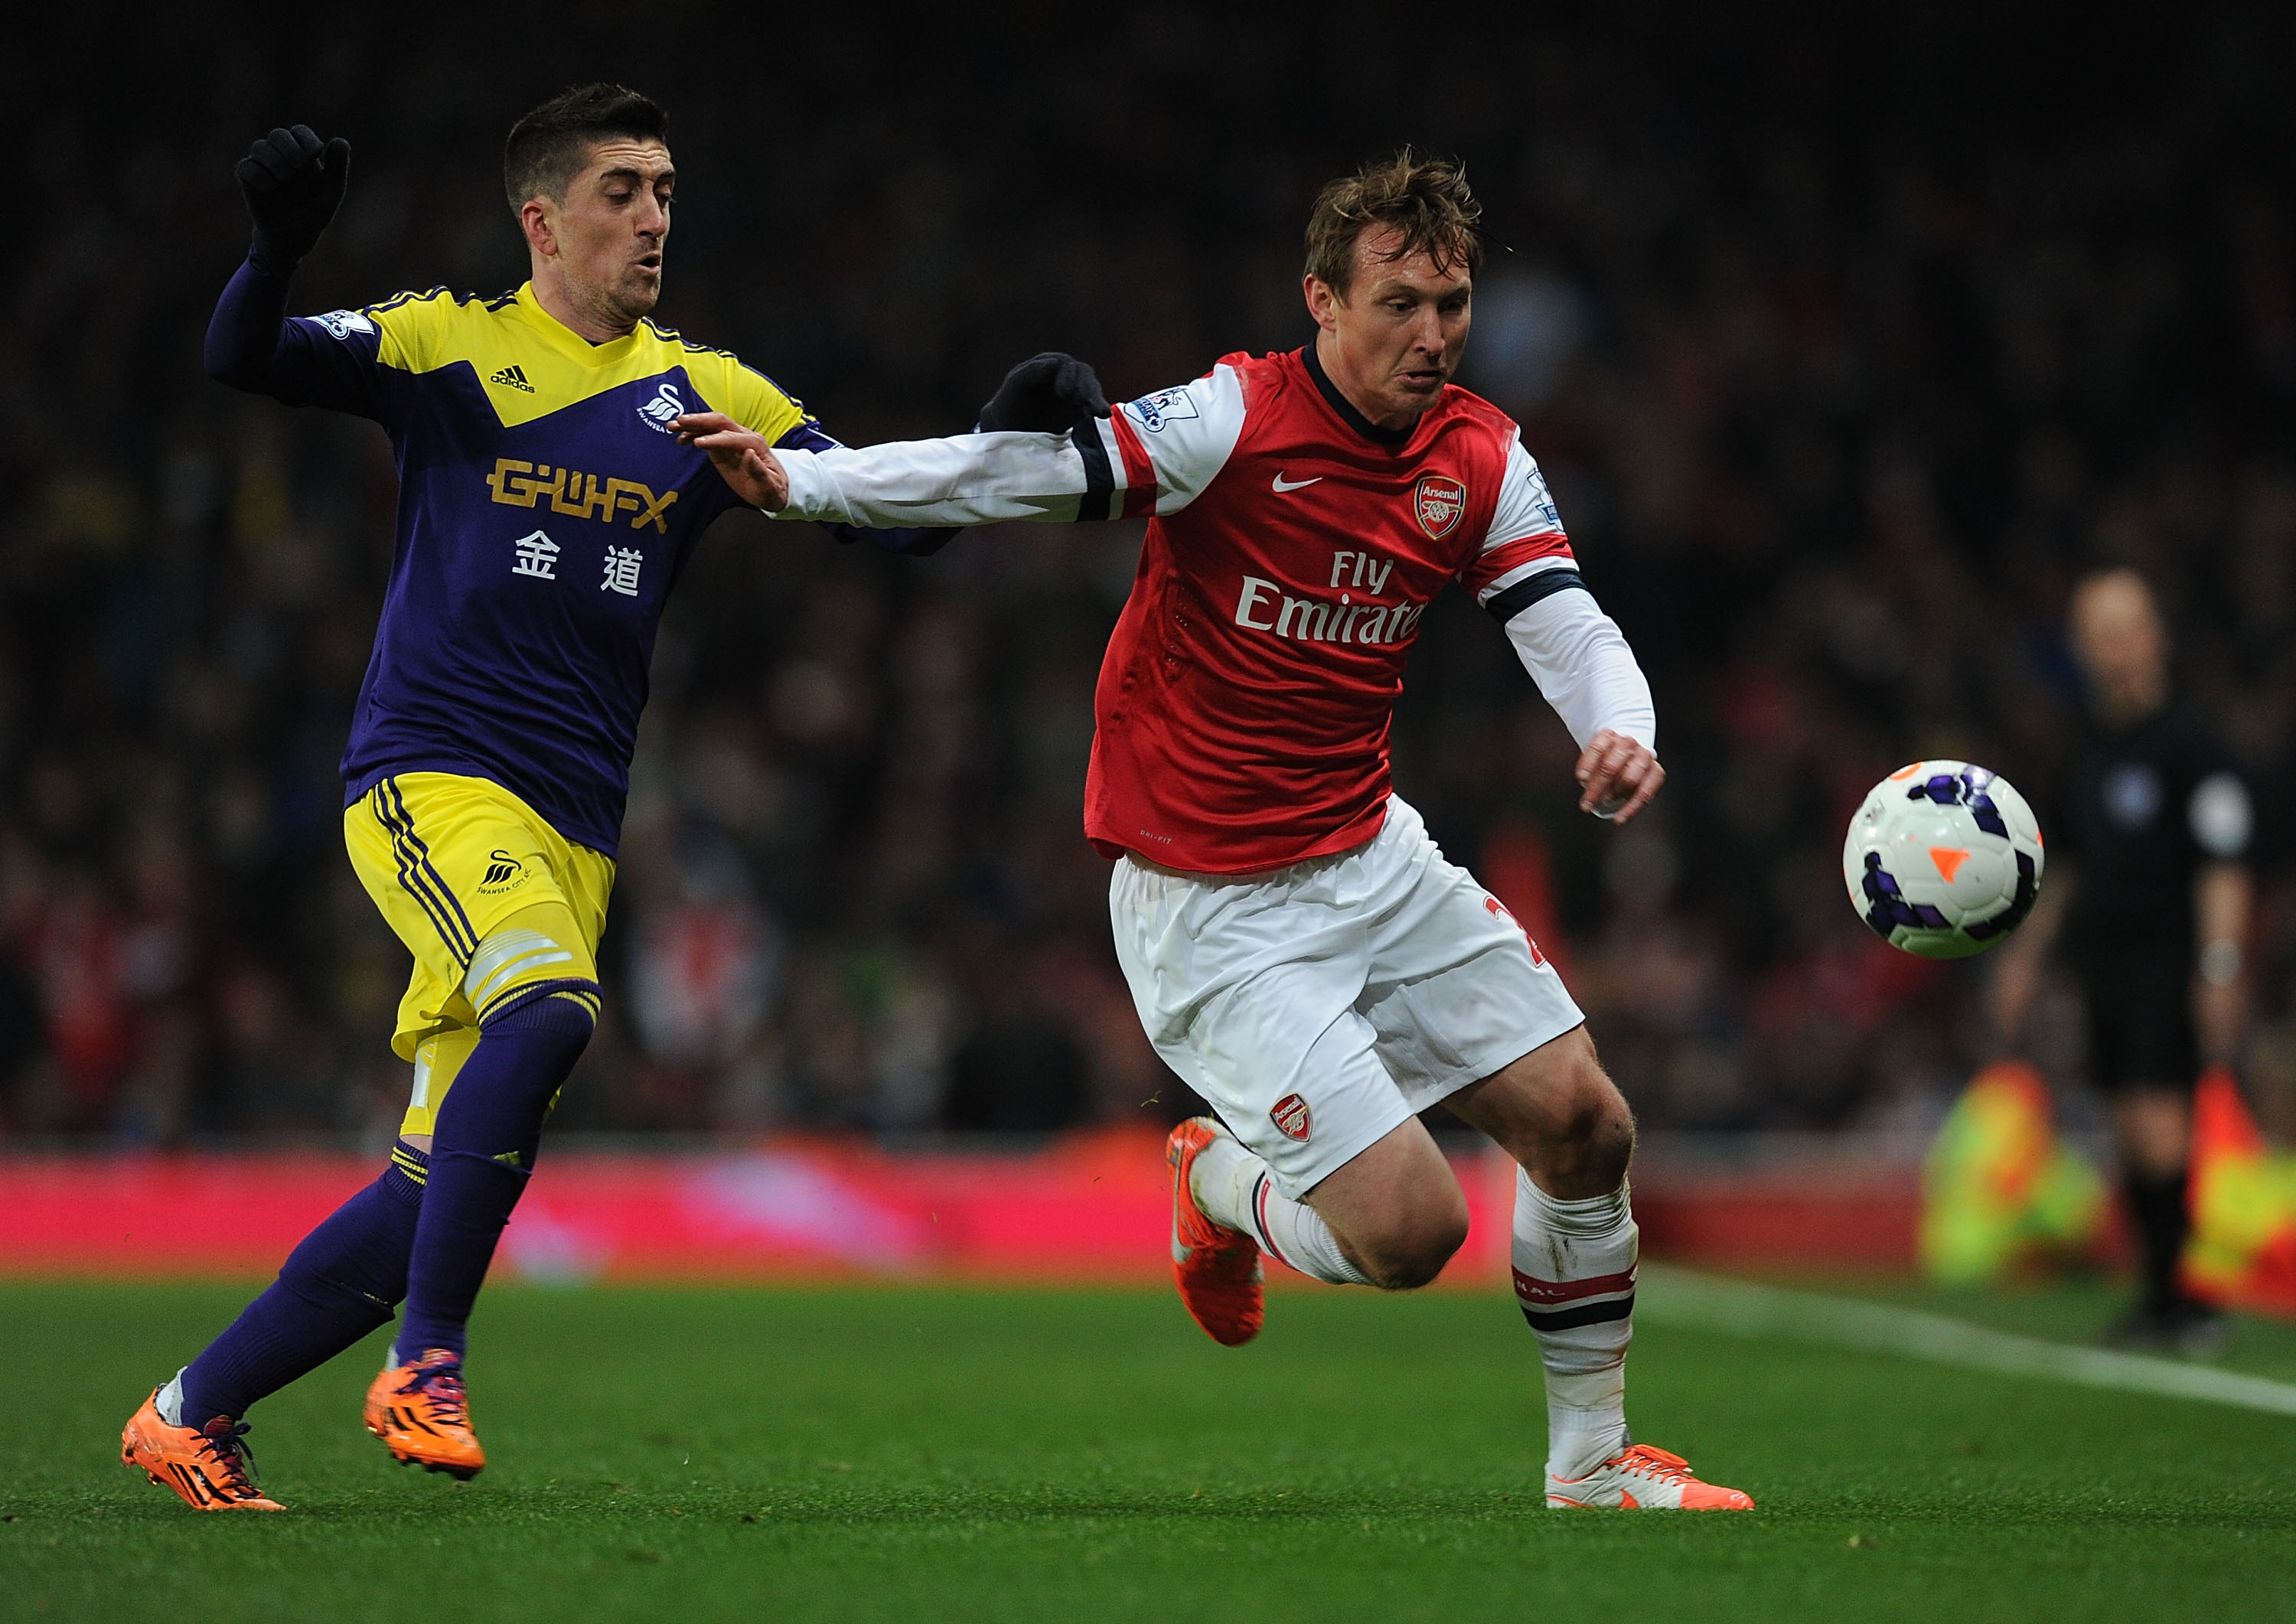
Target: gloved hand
293,184
1045,394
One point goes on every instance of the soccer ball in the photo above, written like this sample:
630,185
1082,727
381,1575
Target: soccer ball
1944,859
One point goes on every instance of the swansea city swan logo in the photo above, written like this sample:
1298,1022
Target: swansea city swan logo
661,410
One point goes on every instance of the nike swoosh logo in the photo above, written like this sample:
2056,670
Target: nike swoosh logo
1283,484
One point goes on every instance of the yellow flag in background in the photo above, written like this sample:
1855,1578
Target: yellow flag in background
1999,1189
2242,1250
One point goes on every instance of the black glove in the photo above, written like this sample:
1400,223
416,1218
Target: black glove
1045,394
293,184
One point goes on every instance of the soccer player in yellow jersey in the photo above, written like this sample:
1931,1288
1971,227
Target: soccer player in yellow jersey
546,509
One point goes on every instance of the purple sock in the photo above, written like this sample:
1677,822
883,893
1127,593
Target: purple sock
339,1284
481,1154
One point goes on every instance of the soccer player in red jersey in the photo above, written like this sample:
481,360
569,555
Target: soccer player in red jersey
1299,950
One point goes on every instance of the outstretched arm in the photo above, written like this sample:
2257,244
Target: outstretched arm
967,479
1052,393
912,541
292,182
1155,455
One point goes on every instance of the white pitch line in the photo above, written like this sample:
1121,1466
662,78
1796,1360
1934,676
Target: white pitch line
1684,1297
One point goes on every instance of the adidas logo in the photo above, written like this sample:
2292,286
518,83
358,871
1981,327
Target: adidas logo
512,377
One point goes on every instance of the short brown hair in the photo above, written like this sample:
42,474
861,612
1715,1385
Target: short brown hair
548,147
1426,200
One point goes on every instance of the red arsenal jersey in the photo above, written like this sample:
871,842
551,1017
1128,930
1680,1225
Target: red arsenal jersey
1245,700
1292,547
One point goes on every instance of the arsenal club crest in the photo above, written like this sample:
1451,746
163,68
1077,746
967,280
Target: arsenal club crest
1439,501
1290,1114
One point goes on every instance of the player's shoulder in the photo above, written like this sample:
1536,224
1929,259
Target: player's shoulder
725,382
1209,406
424,328
700,360
1236,392
438,307
1470,408
1263,379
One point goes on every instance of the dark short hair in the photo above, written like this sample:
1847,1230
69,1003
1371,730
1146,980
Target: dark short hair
1424,200
548,147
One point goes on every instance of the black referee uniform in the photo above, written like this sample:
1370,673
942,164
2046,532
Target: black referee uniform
2150,805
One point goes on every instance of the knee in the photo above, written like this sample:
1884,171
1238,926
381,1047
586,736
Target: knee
556,1017
1589,1112
536,1036
568,1008
1585,1135
1605,1131
1410,1251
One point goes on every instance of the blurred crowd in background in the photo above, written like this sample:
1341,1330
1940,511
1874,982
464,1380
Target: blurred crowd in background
1844,351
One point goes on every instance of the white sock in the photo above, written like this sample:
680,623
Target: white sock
1574,1273
1235,1188
169,1400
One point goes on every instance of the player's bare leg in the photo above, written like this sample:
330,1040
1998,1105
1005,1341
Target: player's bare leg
1571,1135
1235,1191
1395,1211
1394,1215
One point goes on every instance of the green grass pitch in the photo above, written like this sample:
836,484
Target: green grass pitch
955,1454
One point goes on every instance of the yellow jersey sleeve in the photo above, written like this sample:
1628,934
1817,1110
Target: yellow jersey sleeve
754,400
416,331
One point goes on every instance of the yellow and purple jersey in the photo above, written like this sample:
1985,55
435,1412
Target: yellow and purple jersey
544,511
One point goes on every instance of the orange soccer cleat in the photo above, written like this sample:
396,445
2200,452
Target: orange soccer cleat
1641,1478
209,1466
1217,1268
422,1416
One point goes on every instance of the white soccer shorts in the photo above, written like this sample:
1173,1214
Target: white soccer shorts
1317,1006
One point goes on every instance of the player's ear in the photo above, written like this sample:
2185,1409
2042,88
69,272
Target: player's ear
541,233
1322,300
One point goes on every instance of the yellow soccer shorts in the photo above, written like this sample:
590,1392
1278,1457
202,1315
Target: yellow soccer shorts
492,901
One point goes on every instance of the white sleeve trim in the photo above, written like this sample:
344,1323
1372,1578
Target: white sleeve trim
1189,434
1523,572
1581,662
1525,506
966,478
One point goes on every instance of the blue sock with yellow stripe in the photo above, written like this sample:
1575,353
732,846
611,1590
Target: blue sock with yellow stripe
482,1151
339,1284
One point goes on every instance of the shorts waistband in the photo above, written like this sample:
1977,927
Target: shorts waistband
1259,877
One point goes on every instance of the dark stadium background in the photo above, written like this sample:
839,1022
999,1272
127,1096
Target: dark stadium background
1845,341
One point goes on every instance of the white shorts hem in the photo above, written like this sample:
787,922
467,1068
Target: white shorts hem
1297,1174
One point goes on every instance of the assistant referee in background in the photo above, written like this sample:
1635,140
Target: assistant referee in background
2150,893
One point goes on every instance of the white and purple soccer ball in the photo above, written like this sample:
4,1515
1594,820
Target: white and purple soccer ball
1943,860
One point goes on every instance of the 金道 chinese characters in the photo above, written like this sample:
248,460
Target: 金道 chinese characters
537,555
622,571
